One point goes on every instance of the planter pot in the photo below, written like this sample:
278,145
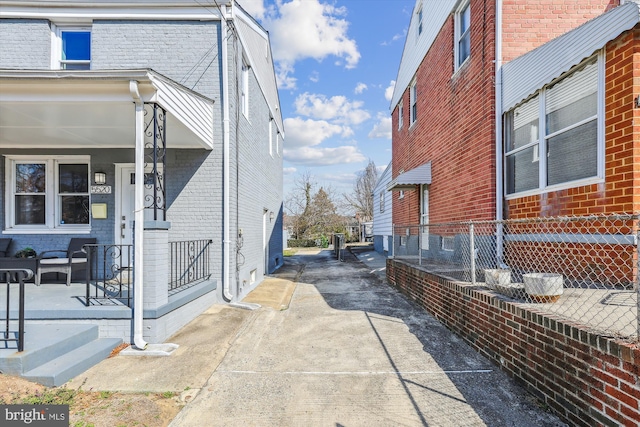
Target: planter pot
496,277
543,287
512,290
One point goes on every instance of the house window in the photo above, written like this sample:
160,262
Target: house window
413,100
462,48
561,121
420,21
72,48
401,195
400,115
244,95
448,243
47,193
382,202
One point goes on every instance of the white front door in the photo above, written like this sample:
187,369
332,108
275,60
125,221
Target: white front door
424,216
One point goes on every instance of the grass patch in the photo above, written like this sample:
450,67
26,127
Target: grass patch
289,252
57,396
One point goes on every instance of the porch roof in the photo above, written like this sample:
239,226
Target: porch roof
95,109
408,180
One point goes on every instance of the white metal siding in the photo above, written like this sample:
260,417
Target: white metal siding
382,220
525,75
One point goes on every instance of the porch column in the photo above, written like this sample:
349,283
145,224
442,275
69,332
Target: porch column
156,264
138,220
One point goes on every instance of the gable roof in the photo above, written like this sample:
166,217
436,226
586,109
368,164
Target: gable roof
384,179
528,73
417,45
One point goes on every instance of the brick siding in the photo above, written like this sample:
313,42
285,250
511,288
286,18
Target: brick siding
587,379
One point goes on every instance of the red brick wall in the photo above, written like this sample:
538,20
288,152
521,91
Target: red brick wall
529,24
620,193
454,128
589,380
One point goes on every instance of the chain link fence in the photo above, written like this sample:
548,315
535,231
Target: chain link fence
584,269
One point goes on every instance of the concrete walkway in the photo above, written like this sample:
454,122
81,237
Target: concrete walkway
331,345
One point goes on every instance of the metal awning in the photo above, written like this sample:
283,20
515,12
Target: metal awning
408,180
95,109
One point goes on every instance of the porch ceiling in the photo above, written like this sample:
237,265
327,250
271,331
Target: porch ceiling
95,109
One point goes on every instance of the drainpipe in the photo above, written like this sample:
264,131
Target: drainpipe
138,219
226,251
499,141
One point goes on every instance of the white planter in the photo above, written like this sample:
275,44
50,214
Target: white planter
496,277
543,287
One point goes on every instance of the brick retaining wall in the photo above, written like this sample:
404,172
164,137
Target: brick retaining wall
587,379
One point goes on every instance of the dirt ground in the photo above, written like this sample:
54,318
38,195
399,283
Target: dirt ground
95,409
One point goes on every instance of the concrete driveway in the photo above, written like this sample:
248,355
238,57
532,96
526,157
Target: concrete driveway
333,345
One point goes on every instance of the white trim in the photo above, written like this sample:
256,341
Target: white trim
413,99
77,14
400,114
457,16
51,194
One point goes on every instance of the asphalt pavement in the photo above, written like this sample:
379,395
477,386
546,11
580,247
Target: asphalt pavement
331,344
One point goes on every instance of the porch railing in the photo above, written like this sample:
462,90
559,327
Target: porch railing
189,263
593,260
109,274
10,276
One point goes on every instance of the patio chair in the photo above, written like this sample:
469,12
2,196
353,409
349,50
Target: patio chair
76,259
5,242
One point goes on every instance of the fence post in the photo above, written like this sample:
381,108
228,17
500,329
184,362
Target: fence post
472,251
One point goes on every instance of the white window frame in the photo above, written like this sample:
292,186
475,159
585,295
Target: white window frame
458,62
52,195
541,142
413,102
56,43
400,115
244,89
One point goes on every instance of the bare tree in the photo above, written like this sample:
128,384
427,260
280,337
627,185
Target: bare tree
362,198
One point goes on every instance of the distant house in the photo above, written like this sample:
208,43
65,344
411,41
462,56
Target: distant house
382,207
155,128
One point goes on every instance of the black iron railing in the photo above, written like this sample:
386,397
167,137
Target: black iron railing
189,262
109,274
12,276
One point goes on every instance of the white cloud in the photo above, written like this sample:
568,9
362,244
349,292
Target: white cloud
388,92
289,171
336,108
303,29
254,7
314,77
360,87
307,133
382,128
318,156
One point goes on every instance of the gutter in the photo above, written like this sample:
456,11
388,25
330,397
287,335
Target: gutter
226,220
499,139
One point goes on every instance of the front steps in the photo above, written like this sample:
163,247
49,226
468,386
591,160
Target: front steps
55,353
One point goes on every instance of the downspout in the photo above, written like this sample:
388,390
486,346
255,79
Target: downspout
226,251
138,219
499,141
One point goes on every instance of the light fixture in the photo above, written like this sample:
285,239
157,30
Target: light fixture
271,216
100,178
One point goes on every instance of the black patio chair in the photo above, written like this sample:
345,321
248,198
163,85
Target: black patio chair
5,242
75,259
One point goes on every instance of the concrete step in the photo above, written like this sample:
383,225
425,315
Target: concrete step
43,343
61,369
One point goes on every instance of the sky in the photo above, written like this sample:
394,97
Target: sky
336,62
